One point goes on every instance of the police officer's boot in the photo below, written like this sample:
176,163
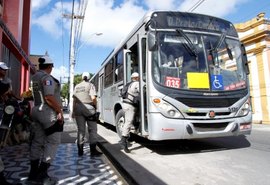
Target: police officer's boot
43,174
33,170
93,151
124,143
80,149
3,179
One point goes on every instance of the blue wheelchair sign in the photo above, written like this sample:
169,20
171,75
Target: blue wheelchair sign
217,82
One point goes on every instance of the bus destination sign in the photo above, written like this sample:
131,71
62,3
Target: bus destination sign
192,21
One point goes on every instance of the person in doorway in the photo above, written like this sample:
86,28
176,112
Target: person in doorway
5,88
5,80
48,122
84,109
130,110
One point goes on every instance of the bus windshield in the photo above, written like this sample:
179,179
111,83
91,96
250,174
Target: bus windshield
196,61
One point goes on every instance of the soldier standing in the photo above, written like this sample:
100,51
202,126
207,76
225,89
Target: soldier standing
5,88
48,117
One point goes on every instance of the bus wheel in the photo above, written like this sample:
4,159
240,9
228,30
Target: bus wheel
120,121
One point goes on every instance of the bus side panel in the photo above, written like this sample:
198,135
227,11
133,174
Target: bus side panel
161,128
111,97
108,104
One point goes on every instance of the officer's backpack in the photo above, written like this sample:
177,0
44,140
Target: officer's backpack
124,91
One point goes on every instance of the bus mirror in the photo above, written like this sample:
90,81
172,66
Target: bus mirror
152,43
244,59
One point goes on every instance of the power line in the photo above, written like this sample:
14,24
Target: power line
75,33
62,29
81,9
196,5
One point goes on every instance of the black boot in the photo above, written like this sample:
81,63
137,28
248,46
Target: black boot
124,143
3,179
43,176
33,170
80,149
93,151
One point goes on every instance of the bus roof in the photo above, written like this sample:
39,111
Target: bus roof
163,19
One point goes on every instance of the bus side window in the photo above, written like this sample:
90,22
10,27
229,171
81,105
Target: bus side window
119,73
109,73
134,58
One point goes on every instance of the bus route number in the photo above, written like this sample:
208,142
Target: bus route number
172,82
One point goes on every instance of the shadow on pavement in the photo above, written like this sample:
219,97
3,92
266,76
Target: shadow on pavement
170,147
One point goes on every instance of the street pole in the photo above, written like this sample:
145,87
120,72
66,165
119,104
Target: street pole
71,67
72,58
71,63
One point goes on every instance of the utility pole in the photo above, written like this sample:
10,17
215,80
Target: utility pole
72,58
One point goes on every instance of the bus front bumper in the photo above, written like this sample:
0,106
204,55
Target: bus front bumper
162,128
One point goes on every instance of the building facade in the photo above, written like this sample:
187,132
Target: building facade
15,16
255,35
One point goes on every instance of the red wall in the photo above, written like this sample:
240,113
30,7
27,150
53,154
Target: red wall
17,16
11,17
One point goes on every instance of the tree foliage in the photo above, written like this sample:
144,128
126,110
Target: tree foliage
65,87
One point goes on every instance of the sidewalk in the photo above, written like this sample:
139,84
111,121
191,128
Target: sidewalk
68,168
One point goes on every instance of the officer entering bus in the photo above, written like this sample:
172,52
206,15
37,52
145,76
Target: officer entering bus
129,109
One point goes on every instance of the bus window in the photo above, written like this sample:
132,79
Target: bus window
109,73
144,58
132,61
118,74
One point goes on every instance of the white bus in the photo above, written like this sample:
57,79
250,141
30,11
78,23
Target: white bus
193,78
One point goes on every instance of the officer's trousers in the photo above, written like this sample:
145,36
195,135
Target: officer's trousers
82,112
1,165
130,111
42,145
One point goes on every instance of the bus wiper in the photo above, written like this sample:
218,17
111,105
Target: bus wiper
221,39
189,44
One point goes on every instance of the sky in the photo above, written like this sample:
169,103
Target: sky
113,20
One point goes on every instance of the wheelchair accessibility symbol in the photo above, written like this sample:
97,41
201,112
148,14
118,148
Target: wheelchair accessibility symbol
217,82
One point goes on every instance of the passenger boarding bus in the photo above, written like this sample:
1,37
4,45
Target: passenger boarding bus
193,78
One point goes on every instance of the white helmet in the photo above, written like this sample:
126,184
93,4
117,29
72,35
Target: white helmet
45,60
135,74
86,74
3,66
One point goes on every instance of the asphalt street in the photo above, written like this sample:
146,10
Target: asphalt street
230,160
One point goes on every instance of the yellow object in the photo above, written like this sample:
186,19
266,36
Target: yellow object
198,80
27,94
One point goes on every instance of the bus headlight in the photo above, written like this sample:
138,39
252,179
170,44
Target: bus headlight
245,109
166,109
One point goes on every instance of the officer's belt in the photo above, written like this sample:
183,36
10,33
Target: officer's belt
127,102
88,103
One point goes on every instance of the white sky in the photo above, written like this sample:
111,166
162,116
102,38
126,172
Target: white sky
118,19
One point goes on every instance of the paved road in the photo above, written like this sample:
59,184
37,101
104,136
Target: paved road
68,167
232,160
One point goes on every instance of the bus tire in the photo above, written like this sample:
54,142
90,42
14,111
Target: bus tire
119,122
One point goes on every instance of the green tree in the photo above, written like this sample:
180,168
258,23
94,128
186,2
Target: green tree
65,87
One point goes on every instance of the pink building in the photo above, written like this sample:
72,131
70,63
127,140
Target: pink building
15,39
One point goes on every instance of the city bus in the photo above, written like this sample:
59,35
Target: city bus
193,78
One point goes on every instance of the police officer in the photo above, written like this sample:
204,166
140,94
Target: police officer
46,113
129,109
84,105
5,89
